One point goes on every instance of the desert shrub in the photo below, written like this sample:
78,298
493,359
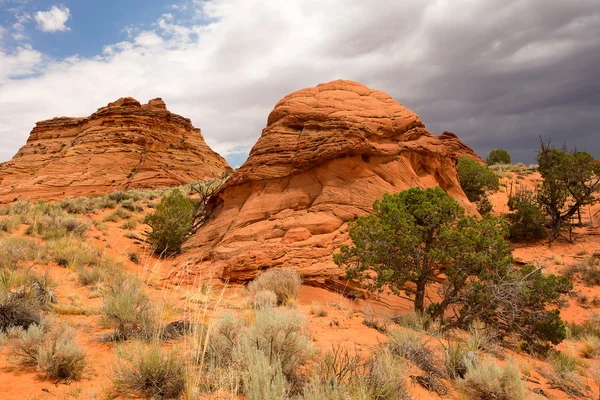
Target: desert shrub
280,334
80,205
102,269
18,311
53,350
223,340
527,220
132,205
130,224
339,366
128,310
117,215
587,269
486,380
150,371
264,298
498,156
61,357
14,250
56,227
8,224
263,377
285,283
72,253
171,223
475,179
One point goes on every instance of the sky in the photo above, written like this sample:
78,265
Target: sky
498,73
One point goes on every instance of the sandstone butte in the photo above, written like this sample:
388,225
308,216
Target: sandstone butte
326,154
125,145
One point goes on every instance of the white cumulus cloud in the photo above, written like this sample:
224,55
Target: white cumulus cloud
498,73
53,20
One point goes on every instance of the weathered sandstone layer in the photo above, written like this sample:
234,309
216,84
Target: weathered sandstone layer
124,145
326,154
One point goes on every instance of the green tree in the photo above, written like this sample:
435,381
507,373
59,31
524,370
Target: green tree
477,181
498,156
570,180
171,223
416,236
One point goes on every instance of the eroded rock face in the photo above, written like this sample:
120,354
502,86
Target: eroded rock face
326,154
124,145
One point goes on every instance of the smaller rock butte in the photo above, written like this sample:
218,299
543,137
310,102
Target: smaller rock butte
125,145
326,154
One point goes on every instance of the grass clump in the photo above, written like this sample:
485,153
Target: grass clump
564,373
150,371
590,346
285,283
486,380
128,310
317,309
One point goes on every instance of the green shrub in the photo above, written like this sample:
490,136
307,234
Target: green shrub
149,371
527,220
171,223
498,156
475,179
56,227
285,283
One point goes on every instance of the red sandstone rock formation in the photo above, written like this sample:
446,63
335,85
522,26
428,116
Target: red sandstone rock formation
326,154
124,145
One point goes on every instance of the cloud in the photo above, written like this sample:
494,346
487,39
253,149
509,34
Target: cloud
53,20
498,73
